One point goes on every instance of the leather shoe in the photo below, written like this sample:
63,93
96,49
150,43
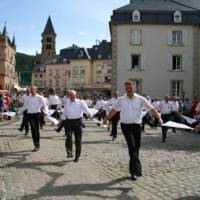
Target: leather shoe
134,177
19,129
76,160
26,133
69,156
36,149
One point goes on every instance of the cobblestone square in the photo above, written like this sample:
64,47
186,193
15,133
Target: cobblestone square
170,171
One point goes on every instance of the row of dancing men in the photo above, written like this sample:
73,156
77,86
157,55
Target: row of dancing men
128,109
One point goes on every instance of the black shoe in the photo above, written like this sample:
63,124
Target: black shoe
19,129
111,134
64,135
26,133
83,125
134,177
114,138
36,149
163,140
76,159
69,155
56,129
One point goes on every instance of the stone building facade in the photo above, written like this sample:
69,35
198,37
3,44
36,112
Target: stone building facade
8,75
155,43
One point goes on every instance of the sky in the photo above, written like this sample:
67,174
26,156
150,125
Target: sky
79,22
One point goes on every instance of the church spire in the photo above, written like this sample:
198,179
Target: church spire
4,31
49,29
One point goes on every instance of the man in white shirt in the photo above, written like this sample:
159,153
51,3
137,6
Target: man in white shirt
131,106
33,106
24,123
115,119
73,114
165,108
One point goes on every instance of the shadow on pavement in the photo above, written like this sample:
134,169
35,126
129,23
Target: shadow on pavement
189,198
89,190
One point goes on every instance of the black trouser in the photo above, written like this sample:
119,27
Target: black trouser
146,120
115,121
60,127
34,121
24,123
132,134
73,126
165,118
56,114
42,121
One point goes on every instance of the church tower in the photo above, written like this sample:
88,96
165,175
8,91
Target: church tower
48,42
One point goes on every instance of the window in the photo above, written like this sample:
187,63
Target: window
64,83
41,69
57,72
50,83
64,61
136,16
49,39
109,69
177,87
177,37
41,75
176,62
177,17
82,80
40,83
99,69
57,83
136,36
107,79
36,76
75,70
98,80
82,71
75,80
99,56
136,62
35,83
48,46
50,72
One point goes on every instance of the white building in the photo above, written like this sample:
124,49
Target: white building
156,44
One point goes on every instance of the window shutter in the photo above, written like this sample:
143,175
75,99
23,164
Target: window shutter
169,62
184,37
169,37
143,63
139,36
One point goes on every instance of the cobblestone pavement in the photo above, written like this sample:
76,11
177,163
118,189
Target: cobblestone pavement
170,171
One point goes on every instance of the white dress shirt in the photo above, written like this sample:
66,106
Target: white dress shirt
24,98
165,107
54,100
111,103
75,110
65,100
132,109
99,104
34,104
175,106
155,104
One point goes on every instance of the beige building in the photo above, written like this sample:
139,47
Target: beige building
157,49
87,70
58,75
8,75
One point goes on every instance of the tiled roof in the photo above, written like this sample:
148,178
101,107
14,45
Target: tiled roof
161,5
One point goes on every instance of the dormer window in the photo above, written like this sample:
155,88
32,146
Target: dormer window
177,17
136,16
64,60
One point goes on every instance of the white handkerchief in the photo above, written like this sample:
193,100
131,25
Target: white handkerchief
55,121
10,114
189,120
93,111
176,125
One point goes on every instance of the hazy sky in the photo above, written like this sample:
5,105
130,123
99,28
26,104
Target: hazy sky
75,21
